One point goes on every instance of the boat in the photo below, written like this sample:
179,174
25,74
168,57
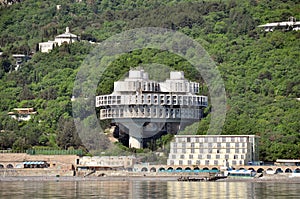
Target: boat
240,173
207,178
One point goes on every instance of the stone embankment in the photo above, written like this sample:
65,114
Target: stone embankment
35,172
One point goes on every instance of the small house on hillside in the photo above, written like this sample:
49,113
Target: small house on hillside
22,114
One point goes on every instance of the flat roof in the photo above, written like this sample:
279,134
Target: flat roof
287,160
216,136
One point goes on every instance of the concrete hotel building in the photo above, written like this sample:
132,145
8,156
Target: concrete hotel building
213,150
143,108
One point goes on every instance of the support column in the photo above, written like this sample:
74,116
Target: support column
135,134
135,142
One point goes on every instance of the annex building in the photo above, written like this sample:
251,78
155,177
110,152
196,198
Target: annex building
217,150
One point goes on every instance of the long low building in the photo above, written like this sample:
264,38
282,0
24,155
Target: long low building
217,150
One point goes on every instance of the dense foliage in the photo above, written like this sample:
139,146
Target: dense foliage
260,70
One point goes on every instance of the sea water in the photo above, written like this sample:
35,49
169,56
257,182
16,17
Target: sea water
147,189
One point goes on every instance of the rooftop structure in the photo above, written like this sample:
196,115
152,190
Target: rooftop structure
143,108
291,24
216,150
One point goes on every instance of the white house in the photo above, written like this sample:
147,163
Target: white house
22,114
47,46
66,37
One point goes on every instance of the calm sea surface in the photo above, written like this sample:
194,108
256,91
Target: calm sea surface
147,189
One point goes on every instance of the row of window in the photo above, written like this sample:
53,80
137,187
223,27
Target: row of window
213,139
149,99
208,145
206,162
150,112
210,150
208,156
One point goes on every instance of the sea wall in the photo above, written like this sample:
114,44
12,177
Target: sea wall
16,160
35,172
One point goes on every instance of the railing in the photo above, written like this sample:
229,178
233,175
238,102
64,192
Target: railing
54,152
46,152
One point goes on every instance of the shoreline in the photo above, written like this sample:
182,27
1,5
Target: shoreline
137,178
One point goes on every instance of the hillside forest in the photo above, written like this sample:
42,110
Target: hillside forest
260,70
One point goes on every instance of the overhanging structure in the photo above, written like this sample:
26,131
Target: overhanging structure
143,108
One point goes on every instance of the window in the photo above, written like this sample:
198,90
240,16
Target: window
188,139
218,151
236,150
241,162
189,162
227,150
235,157
218,144
223,139
183,151
210,145
233,162
206,162
173,156
192,145
217,156
192,150
174,150
208,156
198,162
226,156
201,150
236,144
227,144
191,156
199,156
180,162
216,162
181,156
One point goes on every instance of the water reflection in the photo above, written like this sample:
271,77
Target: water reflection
147,189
